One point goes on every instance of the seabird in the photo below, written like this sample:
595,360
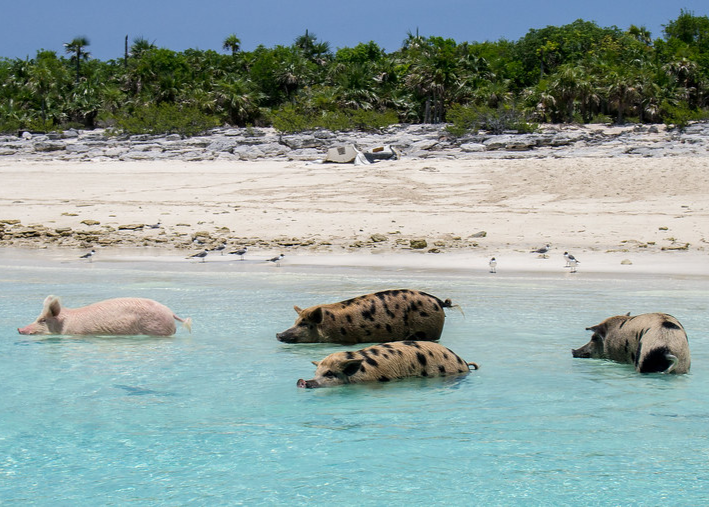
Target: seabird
200,255
570,259
155,226
241,252
220,248
277,259
493,265
543,249
88,255
572,265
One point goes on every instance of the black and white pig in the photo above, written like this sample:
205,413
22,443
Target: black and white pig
653,342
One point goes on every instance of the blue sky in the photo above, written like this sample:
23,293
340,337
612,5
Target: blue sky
204,24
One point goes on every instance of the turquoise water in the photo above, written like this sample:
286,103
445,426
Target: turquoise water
215,418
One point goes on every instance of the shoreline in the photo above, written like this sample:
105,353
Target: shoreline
474,264
593,196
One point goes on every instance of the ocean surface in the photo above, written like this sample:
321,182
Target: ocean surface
215,418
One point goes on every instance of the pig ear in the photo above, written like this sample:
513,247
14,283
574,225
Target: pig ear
315,316
298,309
592,328
316,363
52,306
627,314
351,366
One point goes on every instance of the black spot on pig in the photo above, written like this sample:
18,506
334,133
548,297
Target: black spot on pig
421,358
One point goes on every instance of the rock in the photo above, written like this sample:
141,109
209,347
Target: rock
626,262
308,154
302,141
48,146
115,151
90,222
378,238
423,145
472,147
77,148
131,227
227,145
418,244
480,234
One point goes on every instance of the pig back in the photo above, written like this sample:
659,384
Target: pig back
120,316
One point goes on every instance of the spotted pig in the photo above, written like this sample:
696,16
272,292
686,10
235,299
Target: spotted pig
386,316
385,362
653,342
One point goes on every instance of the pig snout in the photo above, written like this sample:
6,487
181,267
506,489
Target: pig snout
307,384
31,329
579,353
583,352
287,337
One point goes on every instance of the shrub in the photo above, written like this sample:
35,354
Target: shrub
471,118
292,119
679,116
164,119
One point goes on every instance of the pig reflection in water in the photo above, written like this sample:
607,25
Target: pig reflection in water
120,316
385,362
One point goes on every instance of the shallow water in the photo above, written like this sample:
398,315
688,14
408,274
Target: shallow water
215,417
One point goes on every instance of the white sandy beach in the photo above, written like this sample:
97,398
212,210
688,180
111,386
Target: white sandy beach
653,212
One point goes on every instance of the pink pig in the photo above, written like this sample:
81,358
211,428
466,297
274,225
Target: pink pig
120,316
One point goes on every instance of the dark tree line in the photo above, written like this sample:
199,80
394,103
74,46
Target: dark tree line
579,72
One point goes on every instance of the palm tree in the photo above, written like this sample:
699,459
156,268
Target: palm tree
141,45
641,33
313,50
238,98
76,48
623,92
434,74
355,85
232,43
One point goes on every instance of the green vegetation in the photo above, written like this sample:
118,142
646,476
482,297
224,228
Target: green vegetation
578,72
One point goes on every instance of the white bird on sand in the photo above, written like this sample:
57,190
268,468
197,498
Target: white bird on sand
200,255
88,255
277,259
572,264
570,259
241,252
493,265
154,226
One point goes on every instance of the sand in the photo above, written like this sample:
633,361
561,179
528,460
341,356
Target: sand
651,212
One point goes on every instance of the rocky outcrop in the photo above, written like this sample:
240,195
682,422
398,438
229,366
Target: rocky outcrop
414,141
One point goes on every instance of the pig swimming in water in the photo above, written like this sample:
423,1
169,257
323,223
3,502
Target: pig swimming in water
385,316
385,362
120,316
653,342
